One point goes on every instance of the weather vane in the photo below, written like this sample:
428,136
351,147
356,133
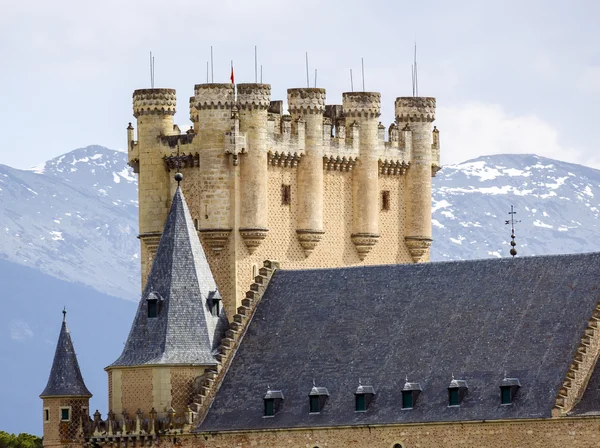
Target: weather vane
512,222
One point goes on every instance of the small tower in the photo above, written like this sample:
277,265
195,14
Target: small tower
416,115
177,328
66,398
363,109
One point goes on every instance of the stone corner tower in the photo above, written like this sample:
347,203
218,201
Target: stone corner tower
65,397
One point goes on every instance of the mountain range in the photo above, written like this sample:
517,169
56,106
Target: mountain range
69,231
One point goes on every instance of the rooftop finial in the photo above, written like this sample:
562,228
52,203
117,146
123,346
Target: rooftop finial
512,222
178,175
314,383
64,311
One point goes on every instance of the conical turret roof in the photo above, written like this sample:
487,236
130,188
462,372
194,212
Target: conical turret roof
65,377
180,328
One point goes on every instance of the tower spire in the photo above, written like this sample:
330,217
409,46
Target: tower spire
65,377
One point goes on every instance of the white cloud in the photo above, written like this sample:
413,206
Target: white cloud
476,129
19,330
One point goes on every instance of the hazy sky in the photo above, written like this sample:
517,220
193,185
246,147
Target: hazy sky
509,76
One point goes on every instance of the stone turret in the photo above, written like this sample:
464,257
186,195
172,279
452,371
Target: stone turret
211,112
362,109
309,105
66,397
253,102
416,114
154,110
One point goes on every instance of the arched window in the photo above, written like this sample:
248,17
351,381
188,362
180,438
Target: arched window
397,445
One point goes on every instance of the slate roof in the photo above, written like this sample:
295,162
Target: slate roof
590,402
65,377
185,331
480,321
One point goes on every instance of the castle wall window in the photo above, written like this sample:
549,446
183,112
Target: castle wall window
286,194
363,397
272,402
46,415
407,399
457,390
453,397
65,414
410,394
361,403
385,200
314,404
269,407
317,399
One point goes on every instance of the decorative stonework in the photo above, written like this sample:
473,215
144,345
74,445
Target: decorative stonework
216,239
284,159
306,100
182,161
151,241
581,368
418,246
361,104
364,242
337,163
179,139
253,237
393,167
135,164
309,239
154,102
213,96
254,96
419,109
435,169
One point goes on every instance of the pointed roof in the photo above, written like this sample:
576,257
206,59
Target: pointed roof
180,282
65,377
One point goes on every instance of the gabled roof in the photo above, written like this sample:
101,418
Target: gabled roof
65,377
481,320
180,280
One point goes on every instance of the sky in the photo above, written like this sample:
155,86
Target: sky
509,76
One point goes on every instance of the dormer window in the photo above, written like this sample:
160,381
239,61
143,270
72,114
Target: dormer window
363,397
508,390
214,302
410,394
272,401
152,302
457,390
317,398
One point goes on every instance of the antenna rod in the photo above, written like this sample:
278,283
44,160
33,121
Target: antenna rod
255,64
416,72
315,78
307,79
351,83
206,72
261,73
153,75
362,63
212,68
412,74
151,81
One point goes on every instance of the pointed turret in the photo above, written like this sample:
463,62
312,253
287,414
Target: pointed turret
66,397
178,325
65,377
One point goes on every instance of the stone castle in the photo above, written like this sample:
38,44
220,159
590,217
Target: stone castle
349,338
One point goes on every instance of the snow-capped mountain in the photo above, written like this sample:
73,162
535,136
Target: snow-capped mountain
557,207
75,218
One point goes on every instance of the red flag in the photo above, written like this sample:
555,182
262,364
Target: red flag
232,77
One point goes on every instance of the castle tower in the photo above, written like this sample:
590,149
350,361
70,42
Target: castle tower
416,115
363,109
177,328
66,398
154,110
308,105
253,103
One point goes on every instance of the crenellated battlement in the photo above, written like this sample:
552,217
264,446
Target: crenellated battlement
254,96
213,96
154,102
306,101
415,109
361,104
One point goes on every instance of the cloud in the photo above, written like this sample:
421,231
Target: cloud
471,130
19,330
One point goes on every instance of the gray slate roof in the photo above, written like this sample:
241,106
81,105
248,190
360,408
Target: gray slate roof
476,320
185,331
65,377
